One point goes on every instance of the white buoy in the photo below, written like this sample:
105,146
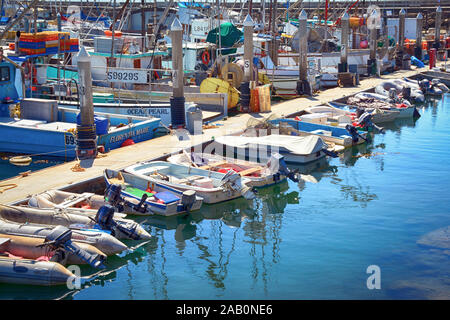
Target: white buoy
20,161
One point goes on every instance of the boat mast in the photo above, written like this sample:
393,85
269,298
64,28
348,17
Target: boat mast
143,25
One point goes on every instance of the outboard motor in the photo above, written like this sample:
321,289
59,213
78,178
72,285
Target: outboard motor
232,180
406,92
105,220
366,122
188,199
393,94
359,111
424,85
354,133
278,166
112,196
60,240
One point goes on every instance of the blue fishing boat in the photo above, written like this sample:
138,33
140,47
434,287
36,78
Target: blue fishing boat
330,134
39,126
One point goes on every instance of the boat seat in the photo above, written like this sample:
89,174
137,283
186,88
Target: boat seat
248,171
212,165
187,180
166,196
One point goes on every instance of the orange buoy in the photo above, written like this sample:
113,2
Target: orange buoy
108,33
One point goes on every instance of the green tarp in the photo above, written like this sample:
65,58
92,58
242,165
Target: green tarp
229,35
52,73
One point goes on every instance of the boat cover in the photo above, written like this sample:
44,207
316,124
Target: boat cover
296,145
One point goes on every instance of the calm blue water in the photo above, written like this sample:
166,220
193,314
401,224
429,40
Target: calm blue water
311,241
8,170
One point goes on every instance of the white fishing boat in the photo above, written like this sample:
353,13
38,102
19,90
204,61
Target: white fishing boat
141,197
293,149
259,175
212,186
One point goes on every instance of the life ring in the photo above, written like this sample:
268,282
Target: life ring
205,57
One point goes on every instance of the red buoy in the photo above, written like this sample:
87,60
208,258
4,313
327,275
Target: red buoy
127,142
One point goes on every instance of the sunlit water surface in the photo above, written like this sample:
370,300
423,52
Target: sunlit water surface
310,241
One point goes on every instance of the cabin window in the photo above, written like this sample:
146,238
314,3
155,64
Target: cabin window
4,74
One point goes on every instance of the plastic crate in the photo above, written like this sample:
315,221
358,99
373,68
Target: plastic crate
31,45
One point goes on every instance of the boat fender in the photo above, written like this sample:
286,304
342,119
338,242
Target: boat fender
206,57
60,240
188,199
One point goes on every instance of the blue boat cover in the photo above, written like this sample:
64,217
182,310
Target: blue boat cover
167,197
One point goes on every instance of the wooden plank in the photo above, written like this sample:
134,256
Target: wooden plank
213,165
248,171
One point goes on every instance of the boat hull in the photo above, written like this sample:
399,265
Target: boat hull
32,272
209,195
33,141
152,207
337,135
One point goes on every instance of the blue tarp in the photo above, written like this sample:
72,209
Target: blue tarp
192,5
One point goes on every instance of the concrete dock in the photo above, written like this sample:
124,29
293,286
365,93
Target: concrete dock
63,175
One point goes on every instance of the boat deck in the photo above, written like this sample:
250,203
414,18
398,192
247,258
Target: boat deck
62,175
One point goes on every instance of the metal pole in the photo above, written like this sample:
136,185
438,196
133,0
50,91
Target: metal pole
177,100
248,49
264,14
401,38
86,133
401,27
143,25
373,40
113,29
303,45
58,18
274,48
303,87
437,34
419,26
343,67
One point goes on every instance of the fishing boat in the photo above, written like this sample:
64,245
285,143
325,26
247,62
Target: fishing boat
257,174
101,240
330,134
293,149
103,220
141,197
16,270
39,126
212,186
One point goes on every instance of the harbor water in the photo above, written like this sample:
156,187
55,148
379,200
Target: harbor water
303,241
8,170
